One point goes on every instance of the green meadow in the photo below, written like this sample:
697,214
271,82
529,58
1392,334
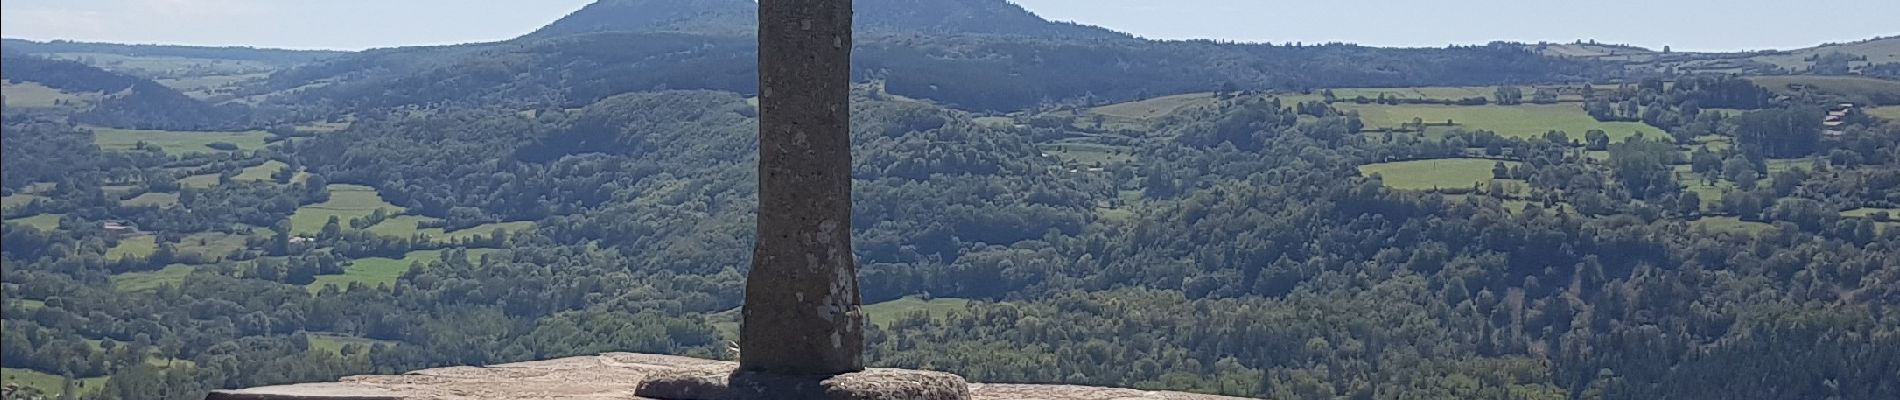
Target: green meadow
136,246
1730,225
346,202
375,271
884,313
35,95
333,344
205,181
150,280
1433,174
1088,154
48,383
152,200
176,142
1524,121
1890,113
260,172
18,200
44,222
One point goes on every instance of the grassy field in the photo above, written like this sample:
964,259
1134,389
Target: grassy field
1865,212
1730,225
138,246
1431,174
1155,107
346,202
323,126
212,244
1890,113
1893,216
1088,154
148,281
206,86
1841,85
44,222
161,200
199,181
17,200
261,172
1524,121
48,383
1877,51
376,271
884,313
175,142
35,95
487,229
406,226
333,344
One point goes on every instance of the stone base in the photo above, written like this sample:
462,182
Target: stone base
723,382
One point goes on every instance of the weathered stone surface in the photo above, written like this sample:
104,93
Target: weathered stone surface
723,382
703,382
612,376
802,312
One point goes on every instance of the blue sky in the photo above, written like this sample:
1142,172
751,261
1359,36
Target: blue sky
358,24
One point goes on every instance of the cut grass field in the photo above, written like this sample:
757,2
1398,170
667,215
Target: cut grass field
1155,107
1433,174
1890,113
1088,154
407,225
884,313
1730,225
136,246
1892,222
1523,121
175,142
211,245
50,384
35,95
487,229
378,271
44,222
1877,51
132,282
1868,212
261,172
18,200
346,202
161,200
205,181
1840,85
333,344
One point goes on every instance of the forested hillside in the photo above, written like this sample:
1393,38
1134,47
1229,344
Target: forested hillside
124,100
1034,204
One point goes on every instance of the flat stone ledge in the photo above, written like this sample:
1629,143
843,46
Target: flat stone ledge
723,382
308,391
612,376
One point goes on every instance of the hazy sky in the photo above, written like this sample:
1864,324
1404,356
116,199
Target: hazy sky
357,24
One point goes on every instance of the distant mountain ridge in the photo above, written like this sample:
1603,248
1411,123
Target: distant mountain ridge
739,17
268,55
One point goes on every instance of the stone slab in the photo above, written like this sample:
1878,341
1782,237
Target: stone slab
612,376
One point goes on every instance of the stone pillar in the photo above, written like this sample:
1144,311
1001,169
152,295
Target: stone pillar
801,314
